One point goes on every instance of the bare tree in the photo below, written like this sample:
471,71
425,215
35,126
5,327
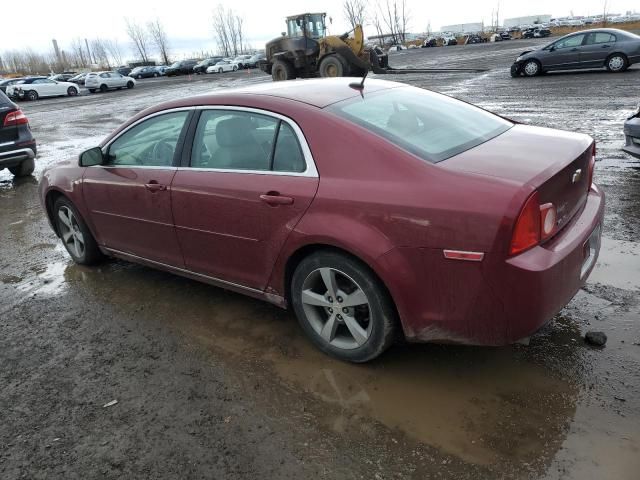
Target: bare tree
78,53
100,53
159,38
228,31
354,11
139,38
114,51
605,13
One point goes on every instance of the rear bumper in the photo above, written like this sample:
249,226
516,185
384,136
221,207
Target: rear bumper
12,158
495,301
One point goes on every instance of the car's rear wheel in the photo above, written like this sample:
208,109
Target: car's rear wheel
25,168
103,88
342,307
531,68
75,235
156,74
235,68
130,84
617,63
32,95
72,91
220,70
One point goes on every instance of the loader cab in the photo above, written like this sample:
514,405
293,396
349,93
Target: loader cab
311,25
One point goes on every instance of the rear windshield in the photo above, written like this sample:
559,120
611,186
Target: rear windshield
433,127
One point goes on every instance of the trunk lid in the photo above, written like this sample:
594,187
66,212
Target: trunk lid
554,162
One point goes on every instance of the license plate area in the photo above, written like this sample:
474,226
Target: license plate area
590,250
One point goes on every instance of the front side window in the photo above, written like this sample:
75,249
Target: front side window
433,127
235,140
104,75
152,142
570,42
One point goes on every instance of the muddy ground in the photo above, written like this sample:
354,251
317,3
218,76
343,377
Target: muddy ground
210,384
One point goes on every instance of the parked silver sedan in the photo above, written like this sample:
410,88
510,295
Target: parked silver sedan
608,48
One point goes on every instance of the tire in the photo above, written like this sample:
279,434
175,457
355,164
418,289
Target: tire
531,68
155,75
282,70
333,66
25,168
220,70
515,70
374,322
32,95
72,231
72,91
130,85
235,68
617,62
103,88
92,90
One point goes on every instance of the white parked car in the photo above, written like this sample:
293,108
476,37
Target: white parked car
223,66
241,61
34,88
396,48
104,81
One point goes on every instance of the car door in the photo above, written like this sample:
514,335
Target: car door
249,179
129,196
596,49
564,54
117,80
44,87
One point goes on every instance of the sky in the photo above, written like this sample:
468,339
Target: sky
188,22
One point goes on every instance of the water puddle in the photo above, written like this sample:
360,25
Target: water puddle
618,264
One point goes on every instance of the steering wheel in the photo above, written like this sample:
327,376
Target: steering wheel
162,153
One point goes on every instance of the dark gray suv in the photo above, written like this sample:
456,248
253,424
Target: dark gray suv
17,145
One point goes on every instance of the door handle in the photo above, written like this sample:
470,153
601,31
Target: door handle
153,186
574,49
606,46
274,199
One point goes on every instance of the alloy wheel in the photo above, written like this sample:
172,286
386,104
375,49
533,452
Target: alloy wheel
531,68
70,232
337,308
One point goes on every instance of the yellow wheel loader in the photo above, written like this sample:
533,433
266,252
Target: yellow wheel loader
305,50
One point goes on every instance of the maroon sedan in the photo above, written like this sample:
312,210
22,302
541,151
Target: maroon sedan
374,213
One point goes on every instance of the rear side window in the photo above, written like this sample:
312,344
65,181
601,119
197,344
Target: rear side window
236,140
433,127
600,37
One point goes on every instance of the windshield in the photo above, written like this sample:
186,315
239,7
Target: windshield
175,64
433,127
313,24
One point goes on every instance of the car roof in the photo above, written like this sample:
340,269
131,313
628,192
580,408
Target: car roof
317,92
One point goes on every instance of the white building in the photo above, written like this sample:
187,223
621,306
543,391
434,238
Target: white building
463,28
530,20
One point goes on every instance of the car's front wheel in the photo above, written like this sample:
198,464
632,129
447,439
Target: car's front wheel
343,307
130,84
531,68
617,63
72,91
75,235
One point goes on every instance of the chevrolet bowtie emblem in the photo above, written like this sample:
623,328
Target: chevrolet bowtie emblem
576,176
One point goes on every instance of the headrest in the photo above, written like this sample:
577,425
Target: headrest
234,132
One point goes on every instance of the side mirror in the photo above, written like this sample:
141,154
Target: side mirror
552,48
91,157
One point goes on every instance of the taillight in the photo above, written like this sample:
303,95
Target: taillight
592,166
535,224
15,118
526,233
